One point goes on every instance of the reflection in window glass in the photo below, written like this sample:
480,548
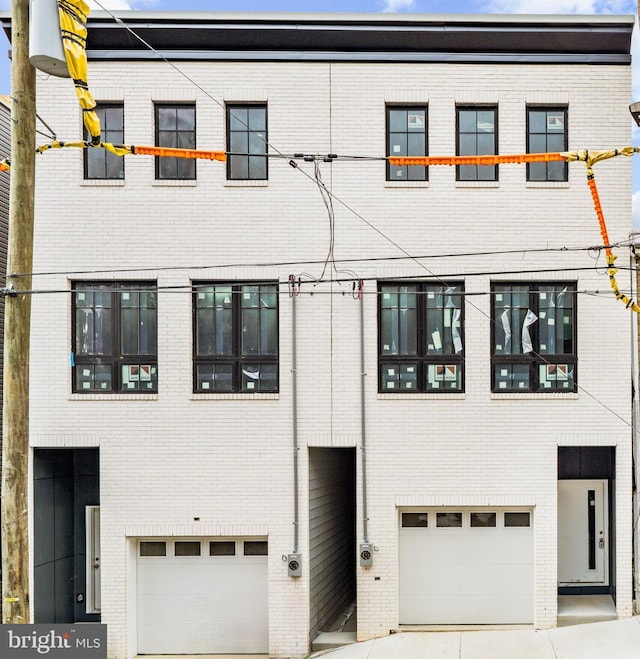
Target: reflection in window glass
406,136
247,142
533,337
176,128
100,163
421,338
236,340
222,548
547,133
410,520
449,520
477,136
152,548
187,549
256,548
483,520
517,519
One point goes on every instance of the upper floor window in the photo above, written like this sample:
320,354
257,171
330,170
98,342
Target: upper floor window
477,135
547,133
406,136
235,340
247,142
534,337
175,128
421,337
100,163
115,337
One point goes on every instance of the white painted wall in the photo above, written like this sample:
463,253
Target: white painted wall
169,458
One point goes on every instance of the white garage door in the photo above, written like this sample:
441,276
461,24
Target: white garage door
466,566
202,596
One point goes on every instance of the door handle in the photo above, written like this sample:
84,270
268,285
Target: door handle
601,543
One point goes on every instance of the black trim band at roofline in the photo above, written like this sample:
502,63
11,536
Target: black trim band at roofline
491,38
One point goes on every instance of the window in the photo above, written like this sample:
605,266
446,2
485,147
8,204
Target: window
406,136
516,519
547,133
412,520
187,548
421,338
235,338
115,337
100,163
222,548
175,128
534,337
247,142
153,548
449,520
483,520
477,136
256,548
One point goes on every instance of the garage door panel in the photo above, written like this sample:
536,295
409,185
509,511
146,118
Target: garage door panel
227,639
466,575
471,609
202,604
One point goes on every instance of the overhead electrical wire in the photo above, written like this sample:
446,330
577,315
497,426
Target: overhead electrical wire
589,157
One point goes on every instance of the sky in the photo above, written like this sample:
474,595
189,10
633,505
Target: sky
391,6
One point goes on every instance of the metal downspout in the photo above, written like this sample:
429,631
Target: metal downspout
363,427
294,403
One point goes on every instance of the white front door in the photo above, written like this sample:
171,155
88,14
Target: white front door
582,532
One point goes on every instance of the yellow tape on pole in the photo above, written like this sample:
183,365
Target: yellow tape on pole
73,29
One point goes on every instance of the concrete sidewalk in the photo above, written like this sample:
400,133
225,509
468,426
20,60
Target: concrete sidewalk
616,639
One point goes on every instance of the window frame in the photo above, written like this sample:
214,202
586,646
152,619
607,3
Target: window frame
548,166
406,169
234,360
423,360
247,130
533,360
464,175
107,135
116,359
185,169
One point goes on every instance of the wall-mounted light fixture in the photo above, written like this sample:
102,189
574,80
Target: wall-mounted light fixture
634,108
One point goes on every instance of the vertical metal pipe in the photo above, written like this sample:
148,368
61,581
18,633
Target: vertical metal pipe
294,417
363,427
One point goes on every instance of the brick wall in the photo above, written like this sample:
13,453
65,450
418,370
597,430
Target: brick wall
170,457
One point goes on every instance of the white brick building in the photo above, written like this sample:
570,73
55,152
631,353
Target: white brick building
440,417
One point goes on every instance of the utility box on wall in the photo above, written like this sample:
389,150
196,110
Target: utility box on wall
294,565
366,554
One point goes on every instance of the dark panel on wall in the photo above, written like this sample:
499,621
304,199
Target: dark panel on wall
65,482
585,462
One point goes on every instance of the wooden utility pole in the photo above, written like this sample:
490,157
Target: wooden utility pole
15,438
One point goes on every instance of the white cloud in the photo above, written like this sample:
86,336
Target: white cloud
392,6
561,6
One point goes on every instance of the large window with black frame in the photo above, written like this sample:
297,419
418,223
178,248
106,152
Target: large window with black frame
235,337
534,337
115,337
421,337
175,128
100,163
